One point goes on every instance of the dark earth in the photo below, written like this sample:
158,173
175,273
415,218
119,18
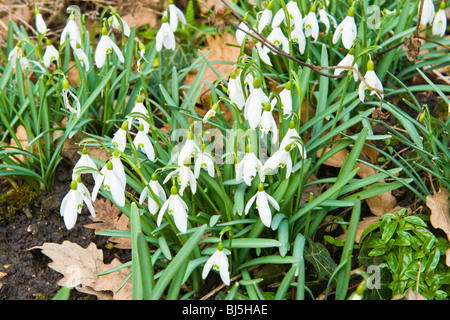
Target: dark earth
24,273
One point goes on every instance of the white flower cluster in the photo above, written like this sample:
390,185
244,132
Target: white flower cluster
438,21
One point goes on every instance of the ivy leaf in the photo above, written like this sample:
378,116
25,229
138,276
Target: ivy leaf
318,255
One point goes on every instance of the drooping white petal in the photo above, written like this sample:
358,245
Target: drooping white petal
100,53
311,25
439,23
264,19
249,204
427,12
165,37
175,15
41,26
253,107
70,207
116,25
50,54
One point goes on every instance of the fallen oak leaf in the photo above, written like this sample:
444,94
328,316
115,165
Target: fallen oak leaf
112,281
439,205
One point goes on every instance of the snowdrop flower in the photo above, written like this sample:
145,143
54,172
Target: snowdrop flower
139,108
141,140
112,180
85,195
298,36
18,53
311,25
263,52
85,161
440,21
185,178
262,205
427,12
254,103
71,29
241,32
248,167
292,136
236,94
323,17
188,150
348,61
176,207
278,38
346,29
268,123
72,204
205,161
50,54
41,26
266,17
175,16
157,190
219,262
116,24
82,57
104,47
65,92
165,36
372,80
211,112
286,99
296,17
119,139
280,159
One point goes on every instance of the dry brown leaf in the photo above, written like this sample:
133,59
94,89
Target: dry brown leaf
220,50
447,257
142,16
108,216
414,295
78,265
439,205
112,281
379,204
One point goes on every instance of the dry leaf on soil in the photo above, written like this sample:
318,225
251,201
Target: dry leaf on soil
112,281
108,216
439,205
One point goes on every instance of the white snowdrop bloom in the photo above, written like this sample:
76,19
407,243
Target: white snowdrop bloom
348,61
347,30
165,36
268,123
50,54
65,94
82,57
204,160
177,208
372,80
211,112
297,35
254,103
116,24
242,31
71,206
280,159
440,21
41,26
286,99
139,108
219,262
427,12
236,94
85,161
104,47
18,53
295,15
85,196
263,52
112,180
262,205
323,17
278,38
175,16
71,29
311,25
187,152
157,190
119,139
142,141
185,177
265,17
248,167
292,136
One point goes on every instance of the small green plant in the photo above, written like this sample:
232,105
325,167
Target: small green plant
413,255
